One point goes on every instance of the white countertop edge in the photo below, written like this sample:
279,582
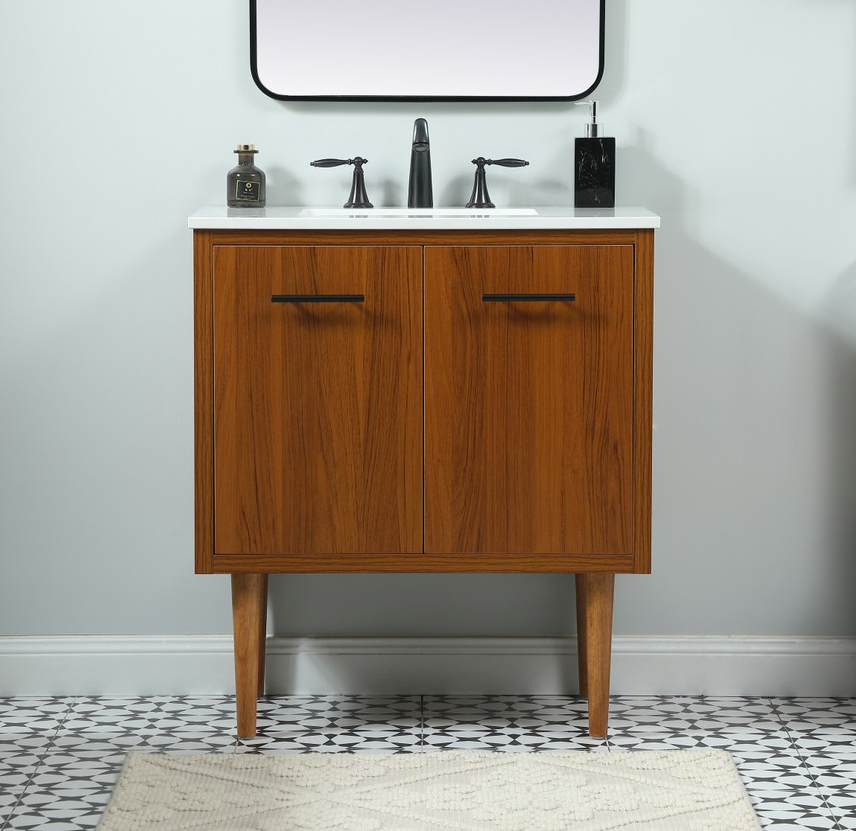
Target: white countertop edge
552,217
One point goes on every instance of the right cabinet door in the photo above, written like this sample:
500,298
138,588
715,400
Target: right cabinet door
529,399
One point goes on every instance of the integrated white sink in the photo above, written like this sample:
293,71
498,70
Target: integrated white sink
421,213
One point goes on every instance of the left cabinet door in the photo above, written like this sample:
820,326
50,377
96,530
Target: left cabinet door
317,399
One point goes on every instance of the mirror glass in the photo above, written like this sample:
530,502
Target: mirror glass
465,50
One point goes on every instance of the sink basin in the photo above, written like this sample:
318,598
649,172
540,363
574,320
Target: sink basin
421,213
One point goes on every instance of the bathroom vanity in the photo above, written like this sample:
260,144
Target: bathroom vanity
423,391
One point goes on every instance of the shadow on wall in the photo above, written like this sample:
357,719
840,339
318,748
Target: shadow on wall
840,380
754,443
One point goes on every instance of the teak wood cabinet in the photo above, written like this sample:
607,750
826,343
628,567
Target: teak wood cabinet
423,401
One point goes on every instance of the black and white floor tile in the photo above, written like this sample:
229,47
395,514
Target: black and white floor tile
60,757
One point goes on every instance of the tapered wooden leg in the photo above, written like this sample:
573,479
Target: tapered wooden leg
594,620
249,614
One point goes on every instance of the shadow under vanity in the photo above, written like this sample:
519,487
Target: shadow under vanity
423,392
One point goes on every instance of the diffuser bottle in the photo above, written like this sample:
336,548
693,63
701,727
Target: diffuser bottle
245,184
594,167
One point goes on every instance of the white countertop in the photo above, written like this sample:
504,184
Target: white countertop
382,219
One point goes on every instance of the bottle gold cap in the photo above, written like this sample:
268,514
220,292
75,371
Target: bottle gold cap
246,148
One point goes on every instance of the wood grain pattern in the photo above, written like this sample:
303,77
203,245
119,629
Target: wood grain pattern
529,406
643,393
427,563
423,237
249,612
594,637
203,411
317,407
636,557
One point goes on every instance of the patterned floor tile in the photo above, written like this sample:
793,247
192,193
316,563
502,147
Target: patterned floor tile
116,726
507,723
310,710
151,715
16,771
69,776
188,743
64,812
816,713
109,747
32,715
788,819
71,784
846,822
838,745
693,714
741,742
331,723
9,797
21,742
60,757
329,743
507,712
835,776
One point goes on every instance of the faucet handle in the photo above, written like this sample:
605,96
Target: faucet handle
480,198
335,162
506,162
358,198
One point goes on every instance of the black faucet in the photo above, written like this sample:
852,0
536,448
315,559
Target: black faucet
480,198
419,191
358,197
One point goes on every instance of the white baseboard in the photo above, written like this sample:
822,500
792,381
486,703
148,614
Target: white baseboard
198,665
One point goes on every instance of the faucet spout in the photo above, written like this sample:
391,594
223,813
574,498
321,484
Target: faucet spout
420,193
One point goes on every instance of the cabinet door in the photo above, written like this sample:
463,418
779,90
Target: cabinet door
529,401
317,405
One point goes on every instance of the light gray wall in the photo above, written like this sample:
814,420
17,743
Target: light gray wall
736,121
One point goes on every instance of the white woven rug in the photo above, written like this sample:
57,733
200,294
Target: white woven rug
680,790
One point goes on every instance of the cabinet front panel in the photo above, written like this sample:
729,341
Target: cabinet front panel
317,405
529,400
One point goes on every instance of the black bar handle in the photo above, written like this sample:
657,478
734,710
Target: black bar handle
526,297
317,298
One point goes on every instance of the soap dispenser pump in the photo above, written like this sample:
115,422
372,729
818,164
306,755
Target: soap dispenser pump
594,166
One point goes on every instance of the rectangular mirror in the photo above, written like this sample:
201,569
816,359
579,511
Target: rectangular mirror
445,50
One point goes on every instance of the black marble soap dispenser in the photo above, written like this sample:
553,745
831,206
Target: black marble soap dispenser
594,166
